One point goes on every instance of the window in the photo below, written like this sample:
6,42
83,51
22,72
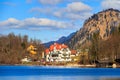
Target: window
54,55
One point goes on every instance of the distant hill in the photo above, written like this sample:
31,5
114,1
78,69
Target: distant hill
61,40
103,22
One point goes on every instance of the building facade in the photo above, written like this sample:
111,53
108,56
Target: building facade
58,53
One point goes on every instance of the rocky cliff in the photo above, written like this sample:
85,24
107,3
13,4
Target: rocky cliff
103,22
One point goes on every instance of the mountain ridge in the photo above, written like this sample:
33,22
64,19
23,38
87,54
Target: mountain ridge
103,22
61,40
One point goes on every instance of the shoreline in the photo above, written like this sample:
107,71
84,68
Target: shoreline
68,65
62,66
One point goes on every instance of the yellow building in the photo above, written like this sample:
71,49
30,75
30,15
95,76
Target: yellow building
32,49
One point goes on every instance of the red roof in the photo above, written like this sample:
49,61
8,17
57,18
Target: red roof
64,46
47,51
57,46
73,52
51,47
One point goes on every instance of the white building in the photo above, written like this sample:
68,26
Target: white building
25,60
58,52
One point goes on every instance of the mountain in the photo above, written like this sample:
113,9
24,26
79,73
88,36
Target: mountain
61,40
103,22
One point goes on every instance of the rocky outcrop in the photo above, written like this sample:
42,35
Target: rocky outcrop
103,22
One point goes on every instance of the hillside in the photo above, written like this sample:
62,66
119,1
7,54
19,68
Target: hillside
103,22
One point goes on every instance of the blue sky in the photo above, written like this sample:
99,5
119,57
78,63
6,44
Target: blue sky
48,20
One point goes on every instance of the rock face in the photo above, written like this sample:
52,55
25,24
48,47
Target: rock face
103,22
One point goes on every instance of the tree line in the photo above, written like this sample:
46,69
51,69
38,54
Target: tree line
105,49
13,48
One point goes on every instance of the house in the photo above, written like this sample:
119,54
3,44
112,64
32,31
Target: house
25,60
58,52
73,53
32,50
75,56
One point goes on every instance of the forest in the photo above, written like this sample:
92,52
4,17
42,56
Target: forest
105,49
13,48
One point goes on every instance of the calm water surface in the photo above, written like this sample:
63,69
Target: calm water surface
57,73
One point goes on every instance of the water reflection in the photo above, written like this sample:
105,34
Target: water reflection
59,78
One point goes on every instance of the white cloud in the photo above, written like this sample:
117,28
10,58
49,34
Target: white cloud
111,4
51,2
34,24
11,22
58,14
47,10
80,16
78,7
54,2
78,11
73,10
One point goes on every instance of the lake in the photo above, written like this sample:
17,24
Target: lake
57,73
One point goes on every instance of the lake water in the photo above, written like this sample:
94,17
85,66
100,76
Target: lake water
57,73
